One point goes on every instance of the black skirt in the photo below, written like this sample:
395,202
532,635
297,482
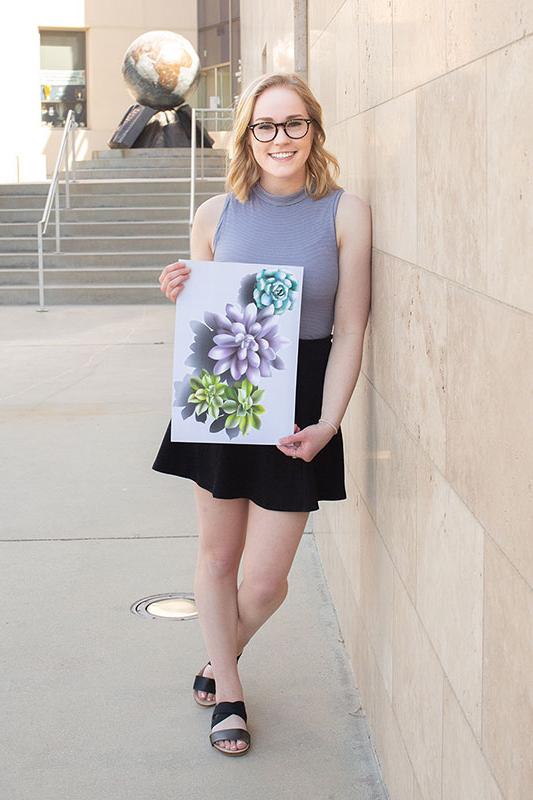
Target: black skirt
261,472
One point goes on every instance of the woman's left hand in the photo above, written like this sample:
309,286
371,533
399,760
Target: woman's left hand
307,442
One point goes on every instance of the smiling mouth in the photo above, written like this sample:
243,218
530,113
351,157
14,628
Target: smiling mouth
282,157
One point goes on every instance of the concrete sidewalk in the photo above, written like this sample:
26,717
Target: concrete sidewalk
97,701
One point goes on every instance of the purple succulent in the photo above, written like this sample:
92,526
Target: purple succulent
247,341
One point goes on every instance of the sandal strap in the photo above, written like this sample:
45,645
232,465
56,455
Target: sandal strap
204,684
227,707
230,733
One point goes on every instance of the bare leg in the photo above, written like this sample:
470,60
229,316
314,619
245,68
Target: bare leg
272,540
229,619
222,532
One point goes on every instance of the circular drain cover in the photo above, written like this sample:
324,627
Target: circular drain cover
174,606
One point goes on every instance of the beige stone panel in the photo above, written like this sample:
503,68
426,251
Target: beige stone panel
394,760
272,25
474,28
345,81
333,66
465,772
451,191
379,361
394,213
384,737
509,171
417,794
419,366
321,72
507,683
419,42
395,504
489,432
376,597
361,441
417,681
375,52
348,534
319,15
449,585
340,142
355,146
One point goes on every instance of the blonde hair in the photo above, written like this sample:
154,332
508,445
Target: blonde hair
244,170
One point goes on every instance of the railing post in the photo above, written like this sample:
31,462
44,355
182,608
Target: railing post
67,148
41,266
193,168
202,134
58,247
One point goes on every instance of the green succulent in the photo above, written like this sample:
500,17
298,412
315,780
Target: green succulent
242,407
209,393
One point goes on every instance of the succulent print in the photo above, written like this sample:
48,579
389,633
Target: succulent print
209,393
246,342
276,288
242,407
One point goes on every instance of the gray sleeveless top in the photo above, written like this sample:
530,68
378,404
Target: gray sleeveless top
290,229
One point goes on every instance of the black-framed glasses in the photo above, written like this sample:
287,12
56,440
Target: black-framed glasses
267,131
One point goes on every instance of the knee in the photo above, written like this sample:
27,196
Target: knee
220,565
267,589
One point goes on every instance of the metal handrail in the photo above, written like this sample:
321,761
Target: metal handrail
218,113
53,193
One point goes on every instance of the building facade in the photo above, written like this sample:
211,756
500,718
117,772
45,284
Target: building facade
67,54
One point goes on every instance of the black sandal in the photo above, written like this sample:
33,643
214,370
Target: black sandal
204,684
222,710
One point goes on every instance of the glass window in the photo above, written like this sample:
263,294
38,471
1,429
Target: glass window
63,84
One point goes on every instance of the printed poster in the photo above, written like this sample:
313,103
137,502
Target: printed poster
236,353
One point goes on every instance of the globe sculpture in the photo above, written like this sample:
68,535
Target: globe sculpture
160,69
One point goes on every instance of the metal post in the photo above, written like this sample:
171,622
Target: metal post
41,267
68,144
193,166
202,127
58,248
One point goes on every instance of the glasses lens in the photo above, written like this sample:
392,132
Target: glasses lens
296,128
265,131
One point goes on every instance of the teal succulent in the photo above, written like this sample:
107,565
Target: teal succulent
275,287
209,393
242,407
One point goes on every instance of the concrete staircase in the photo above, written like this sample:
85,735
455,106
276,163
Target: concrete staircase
129,217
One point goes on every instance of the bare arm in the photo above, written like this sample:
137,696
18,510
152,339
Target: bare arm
352,307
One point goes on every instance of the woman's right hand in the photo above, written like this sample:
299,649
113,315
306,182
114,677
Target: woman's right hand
172,279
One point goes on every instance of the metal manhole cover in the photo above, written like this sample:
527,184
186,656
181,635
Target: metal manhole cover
174,606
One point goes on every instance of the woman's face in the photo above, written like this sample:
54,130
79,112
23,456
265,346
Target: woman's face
278,103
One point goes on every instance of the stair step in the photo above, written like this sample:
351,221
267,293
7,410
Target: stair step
20,231
126,258
112,294
156,152
93,244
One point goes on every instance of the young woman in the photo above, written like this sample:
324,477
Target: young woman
283,207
